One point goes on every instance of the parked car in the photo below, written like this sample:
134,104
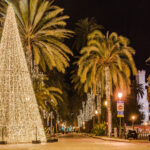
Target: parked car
132,134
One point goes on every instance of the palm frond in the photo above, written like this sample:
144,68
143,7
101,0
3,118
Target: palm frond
42,29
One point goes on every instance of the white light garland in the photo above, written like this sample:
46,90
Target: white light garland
19,113
88,110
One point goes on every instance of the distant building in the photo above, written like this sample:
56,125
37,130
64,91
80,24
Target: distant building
148,92
141,79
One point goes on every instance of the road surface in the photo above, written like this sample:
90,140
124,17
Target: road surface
74,142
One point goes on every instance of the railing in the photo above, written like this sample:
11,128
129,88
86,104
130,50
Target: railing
143,135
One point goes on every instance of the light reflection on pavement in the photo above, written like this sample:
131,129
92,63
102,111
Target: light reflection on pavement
74,142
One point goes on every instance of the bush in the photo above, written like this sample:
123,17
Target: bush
99,130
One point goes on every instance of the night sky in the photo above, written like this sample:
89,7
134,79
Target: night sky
128,18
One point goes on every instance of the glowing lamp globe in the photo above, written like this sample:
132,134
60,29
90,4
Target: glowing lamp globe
133,117
96,112
105,103
120,95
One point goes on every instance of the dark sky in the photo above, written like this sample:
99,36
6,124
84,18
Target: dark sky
130,18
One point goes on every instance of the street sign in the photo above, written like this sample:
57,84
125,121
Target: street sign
120,105
120,113
120,108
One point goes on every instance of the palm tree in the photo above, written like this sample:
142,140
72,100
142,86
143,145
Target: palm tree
45,94
42,29
138,89
82,29
75,80
106,60
148,92
3,7
148,60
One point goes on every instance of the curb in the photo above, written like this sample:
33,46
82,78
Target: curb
116,140
111,139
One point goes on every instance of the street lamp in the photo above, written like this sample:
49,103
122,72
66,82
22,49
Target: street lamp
106,103
120,98
133,119
145,124
98,117
120,95
96,112
83,125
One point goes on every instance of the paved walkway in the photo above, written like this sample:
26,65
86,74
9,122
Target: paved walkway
75,142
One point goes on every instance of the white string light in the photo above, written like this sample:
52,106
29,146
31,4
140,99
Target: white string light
88,110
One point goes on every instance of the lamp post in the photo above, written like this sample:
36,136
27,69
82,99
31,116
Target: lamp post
83,125
145,124
120,98
97,114
133,119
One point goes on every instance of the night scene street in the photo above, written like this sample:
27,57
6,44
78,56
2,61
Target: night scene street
74,75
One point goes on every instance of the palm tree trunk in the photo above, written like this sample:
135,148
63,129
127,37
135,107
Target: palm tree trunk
107,88
99,102
34,70
29,56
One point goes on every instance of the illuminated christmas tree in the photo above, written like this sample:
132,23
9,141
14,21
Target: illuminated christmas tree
20,119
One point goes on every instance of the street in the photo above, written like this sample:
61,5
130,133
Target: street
76,142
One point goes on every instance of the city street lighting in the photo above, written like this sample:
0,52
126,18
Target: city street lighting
133,120
120,95
145,124
83,125
96,112
133,117
120,98
98,117
106,103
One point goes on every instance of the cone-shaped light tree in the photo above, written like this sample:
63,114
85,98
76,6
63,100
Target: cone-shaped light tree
19,113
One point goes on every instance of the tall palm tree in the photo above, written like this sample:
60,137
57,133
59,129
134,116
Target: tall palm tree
42,29
107,59
83,28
